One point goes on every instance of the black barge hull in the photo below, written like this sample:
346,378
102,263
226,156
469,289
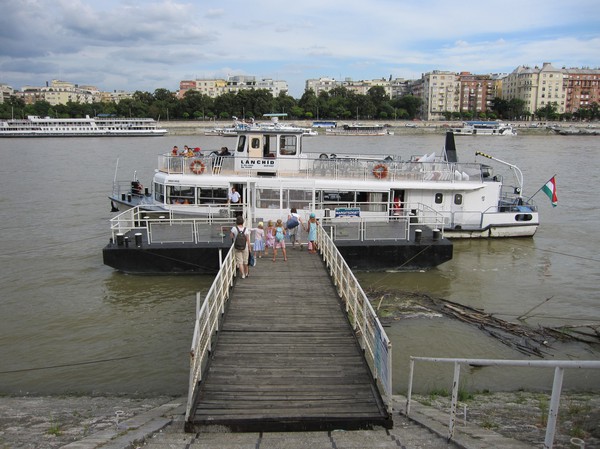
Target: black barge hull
134,255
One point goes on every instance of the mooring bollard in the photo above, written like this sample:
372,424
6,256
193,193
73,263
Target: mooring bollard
138,239
120,240
126,242
418,233
436,234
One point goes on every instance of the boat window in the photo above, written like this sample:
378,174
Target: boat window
159,192
267,198
212,195
439,198
458,199
180,195
241,144
372,201
267,147
255,142
287,145
300,199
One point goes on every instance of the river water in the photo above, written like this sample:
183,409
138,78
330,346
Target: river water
69,324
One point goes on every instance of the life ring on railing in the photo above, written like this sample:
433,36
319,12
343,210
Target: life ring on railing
380,171
197,167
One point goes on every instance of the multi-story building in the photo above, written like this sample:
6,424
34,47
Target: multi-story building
440,93
476,93
60,92
394,88
319,85
215,87
581,87
6,92
537,87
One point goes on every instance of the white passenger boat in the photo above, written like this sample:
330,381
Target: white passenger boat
35,126
358,129
273,174
479,128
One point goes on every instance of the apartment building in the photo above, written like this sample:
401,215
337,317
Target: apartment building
60,92
6,92
213,87
581,87
440,93
394,88
536,86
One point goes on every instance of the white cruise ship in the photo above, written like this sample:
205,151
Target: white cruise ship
35,126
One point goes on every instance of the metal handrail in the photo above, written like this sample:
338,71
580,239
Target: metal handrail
208,319
374,342
558,365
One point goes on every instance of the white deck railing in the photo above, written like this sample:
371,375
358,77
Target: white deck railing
209,316
558,365
374,342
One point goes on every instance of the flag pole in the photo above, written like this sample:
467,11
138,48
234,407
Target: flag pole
538,190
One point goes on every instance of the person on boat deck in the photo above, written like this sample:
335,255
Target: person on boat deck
233,197
396,206
175,151
187,151
224,152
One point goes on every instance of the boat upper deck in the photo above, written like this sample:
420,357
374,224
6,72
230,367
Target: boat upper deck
314,166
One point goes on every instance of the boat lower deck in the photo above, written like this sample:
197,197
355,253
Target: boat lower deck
173,249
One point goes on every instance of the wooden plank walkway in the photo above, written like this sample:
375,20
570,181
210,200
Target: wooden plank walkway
286,357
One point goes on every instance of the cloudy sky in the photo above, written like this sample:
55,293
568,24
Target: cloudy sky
145,45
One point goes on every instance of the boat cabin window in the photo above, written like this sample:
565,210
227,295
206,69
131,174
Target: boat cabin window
458,199
159,192
288,145
300,199
212,195
267,198
439,198
366,201
241,144
180,195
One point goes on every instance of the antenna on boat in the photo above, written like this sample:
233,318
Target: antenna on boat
517,170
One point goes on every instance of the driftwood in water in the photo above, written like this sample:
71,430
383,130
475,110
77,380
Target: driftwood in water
528,340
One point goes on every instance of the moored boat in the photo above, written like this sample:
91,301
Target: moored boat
483,128
273,173
380,210
358,129
35,126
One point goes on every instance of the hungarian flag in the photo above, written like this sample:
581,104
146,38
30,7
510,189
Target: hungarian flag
550,190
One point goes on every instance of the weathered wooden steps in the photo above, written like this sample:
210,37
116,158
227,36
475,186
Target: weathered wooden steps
286,357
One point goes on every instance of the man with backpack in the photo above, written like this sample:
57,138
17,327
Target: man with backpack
241,245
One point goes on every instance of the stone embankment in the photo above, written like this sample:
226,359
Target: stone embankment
494,420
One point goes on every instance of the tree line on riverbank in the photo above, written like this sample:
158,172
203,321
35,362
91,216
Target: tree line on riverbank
339,103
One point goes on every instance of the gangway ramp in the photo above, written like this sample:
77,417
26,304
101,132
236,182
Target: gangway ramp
286,356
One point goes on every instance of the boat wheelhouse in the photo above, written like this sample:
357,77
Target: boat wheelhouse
483,128
35,126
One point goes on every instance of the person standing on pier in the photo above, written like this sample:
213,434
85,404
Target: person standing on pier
279,233
311,229
293,225
241,245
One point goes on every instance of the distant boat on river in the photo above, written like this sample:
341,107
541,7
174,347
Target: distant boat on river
34,126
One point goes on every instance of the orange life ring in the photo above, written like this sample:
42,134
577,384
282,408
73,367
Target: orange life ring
380,171
197,167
